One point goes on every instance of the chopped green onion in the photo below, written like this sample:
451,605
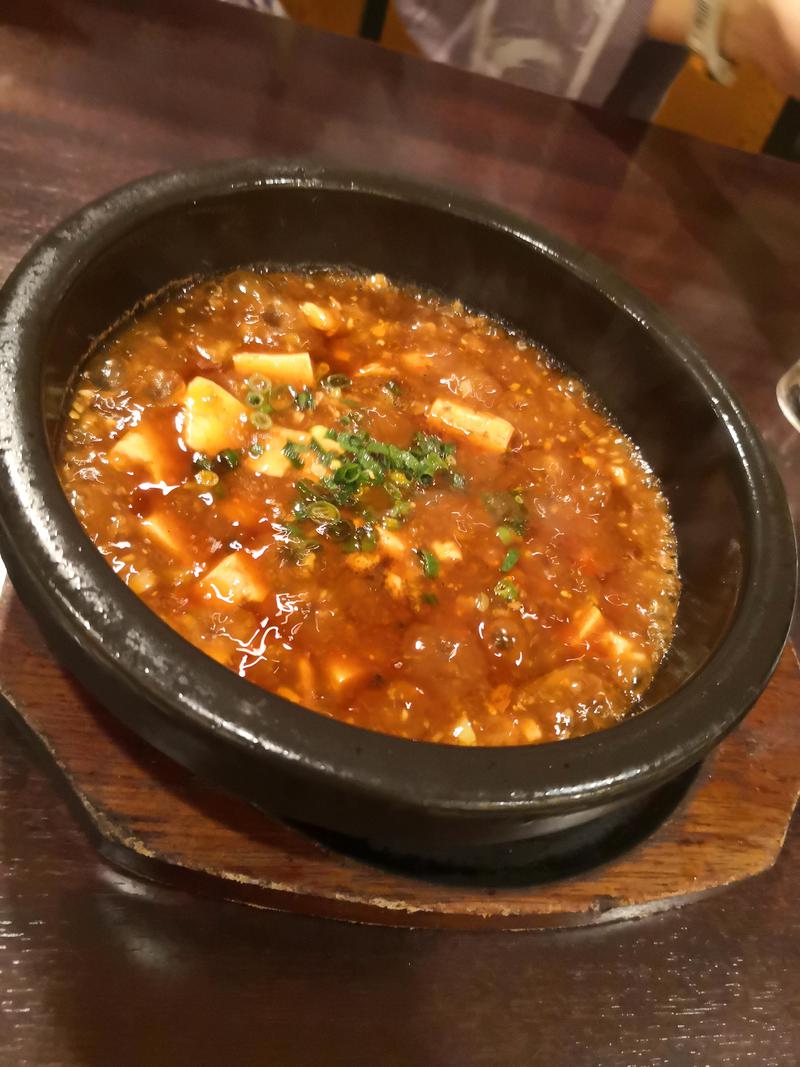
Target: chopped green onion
292,453
336,381
297,545
326,489
362,540
506,535
362,463
229,457
506,589
260,419
202,461
368,542
340,531
430,564
392,387
508,509
459,480
420,463
509,560
348,474
398,514
255,400
258,383
304,400
323,511
430,598
321,453
256,449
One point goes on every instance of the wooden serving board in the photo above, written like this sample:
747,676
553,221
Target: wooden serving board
153,818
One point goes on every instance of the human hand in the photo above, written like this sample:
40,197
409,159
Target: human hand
763,32
766,33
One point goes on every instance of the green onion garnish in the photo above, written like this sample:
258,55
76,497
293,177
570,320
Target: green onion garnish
365,463
336,381
229,457
398,513
342,530
506,589
260,419
348,474
426,456
323,511
325,457
363,539
292,453
202,461
297,545
508,509
509,560
254,399
304,400
506,535
430,564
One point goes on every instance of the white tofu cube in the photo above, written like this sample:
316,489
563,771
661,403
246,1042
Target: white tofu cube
486,431
280,368
213,418
139,448
235,580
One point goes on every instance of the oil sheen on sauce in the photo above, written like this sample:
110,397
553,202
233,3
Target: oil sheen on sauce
377,505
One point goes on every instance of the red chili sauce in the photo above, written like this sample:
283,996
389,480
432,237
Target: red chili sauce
377,505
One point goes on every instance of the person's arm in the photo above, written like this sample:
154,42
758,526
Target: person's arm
764,32
671,20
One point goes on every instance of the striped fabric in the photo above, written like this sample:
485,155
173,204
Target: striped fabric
572,48
594,51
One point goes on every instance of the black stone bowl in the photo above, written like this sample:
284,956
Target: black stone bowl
736,543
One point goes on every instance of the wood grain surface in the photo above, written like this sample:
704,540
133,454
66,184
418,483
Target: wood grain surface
151,817
97,968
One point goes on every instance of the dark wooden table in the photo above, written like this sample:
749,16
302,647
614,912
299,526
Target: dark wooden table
98,969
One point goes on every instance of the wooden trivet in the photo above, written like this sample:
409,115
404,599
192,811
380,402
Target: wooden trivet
152,817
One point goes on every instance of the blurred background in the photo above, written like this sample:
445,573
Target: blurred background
752,115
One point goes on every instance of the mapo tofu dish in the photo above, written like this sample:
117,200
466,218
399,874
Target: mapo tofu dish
376,504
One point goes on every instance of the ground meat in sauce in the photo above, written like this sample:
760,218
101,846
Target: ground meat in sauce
376,504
